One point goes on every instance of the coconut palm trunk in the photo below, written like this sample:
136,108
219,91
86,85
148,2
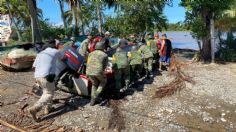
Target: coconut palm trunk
63,14
99,15
13,20
79,16
36,36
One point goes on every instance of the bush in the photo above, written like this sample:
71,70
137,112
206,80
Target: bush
228,50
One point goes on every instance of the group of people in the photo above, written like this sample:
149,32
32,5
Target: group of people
145,54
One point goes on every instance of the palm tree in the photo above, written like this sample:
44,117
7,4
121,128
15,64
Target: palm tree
99,15
36,36
61,3
73,6
13,20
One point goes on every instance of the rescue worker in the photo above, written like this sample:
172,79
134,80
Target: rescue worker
132,39
96,64
165,51
147,59
153,47
44,65
107,41
71,42
84,47
135,58
122,69
158,42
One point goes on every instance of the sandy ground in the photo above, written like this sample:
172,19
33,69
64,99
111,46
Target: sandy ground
209,105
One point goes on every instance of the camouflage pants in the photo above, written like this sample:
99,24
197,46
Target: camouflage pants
148,64
47,96
155,58
135,72
98,84
123,73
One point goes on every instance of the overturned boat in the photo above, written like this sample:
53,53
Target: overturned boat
19,58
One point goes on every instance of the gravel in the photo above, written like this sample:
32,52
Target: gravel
209,105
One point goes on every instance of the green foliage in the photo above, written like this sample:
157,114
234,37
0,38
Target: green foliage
49,31
179,26
136,17
199,12
12,42
228,49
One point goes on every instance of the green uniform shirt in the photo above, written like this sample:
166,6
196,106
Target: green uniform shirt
120,59
145,50
69,43
135,57
152,46
96,63
84,47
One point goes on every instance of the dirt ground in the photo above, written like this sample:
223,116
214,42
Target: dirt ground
208,105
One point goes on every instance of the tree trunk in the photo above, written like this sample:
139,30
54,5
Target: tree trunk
206,41
13,20
36,36
63,14
99,15
80,18
75,20
212,39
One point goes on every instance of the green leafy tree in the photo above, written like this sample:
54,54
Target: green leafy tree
137,16
32,7
199,14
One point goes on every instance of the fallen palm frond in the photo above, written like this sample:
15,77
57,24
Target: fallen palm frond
23,123
179,81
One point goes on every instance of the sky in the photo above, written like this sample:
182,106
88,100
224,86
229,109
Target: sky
51,10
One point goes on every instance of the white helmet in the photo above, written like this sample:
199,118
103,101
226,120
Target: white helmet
107,33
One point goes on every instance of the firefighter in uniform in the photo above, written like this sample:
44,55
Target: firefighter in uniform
96,64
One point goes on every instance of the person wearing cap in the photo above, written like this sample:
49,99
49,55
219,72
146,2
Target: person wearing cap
147,59
132,39
158,41
122,69
107,41
45,67
165,51
71,42
96,65
153,47
135,58
84,47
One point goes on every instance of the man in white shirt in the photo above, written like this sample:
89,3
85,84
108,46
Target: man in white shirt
45,65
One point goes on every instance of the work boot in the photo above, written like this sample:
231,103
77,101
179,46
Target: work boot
150,74
33,113
92,102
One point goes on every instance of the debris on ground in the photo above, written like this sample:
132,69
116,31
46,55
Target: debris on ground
178,83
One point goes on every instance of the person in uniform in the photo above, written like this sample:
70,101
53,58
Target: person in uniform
122,69
71,42
147,59
135,58
154,49
96,64
84,47
44,74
